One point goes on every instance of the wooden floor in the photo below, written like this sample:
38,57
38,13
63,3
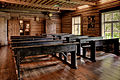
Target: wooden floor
7,66
44,67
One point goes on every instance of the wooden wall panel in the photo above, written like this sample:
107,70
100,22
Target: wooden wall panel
50,27
67,23
13,28
37,27
84,13
57,19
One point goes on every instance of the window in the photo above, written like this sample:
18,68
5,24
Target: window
111,24
76,25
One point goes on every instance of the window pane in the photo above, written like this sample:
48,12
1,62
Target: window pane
107,27
116,35
72,21
76,29
116,16
108,17
77,20
107,35
116,26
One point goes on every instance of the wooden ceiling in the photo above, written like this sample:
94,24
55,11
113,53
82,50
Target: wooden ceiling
43,5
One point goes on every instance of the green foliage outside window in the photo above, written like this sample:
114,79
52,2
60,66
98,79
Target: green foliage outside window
116,16
107,27
108,35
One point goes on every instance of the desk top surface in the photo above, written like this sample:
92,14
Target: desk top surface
46,45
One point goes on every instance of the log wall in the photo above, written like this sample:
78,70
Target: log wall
38,24
84,13
37,27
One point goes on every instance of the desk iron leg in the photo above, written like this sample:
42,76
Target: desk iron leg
60,56
73,60
116,46
65,58
18,64
93,51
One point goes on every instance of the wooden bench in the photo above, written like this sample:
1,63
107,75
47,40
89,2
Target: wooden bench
25,37
96,43
73,38
84,40
32,38
93,42
61,36
62,49
30,48
38,42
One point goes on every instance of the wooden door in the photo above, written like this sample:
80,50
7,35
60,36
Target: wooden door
13,28
26,25
50,27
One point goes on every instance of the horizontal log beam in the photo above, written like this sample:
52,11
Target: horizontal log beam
27,11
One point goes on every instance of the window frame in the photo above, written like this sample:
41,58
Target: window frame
103,22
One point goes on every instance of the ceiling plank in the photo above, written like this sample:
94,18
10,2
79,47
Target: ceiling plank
26,3
48,2
39,1
32,1
81,2
44,2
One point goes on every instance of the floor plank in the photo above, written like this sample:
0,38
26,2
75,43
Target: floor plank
7,66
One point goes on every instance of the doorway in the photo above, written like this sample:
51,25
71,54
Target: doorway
24,27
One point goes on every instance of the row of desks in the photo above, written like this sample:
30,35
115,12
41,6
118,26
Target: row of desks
29,46
23,48
83,40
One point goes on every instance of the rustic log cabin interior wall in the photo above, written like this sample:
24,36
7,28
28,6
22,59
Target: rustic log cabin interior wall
60,39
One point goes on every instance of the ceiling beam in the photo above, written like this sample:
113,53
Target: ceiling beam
27,10
72,9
